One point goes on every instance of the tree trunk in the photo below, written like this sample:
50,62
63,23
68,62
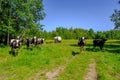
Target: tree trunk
8,36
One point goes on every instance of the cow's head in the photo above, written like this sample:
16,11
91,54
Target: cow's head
104,39
17,43
34,38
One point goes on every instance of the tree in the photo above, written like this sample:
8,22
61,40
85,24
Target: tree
115,17
20,16
100,35
91,34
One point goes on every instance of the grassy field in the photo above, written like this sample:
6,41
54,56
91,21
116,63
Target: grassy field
62,61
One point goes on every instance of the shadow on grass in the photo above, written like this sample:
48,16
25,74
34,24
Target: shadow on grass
13,53
116,51
112,47
75,45
31,49
74,53
2,46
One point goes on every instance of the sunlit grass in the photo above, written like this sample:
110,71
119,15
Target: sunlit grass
51,56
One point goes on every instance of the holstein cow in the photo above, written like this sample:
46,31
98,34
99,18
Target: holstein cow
99,42
15,45
57,39
39,41
30,42
20,39
34,41
82,44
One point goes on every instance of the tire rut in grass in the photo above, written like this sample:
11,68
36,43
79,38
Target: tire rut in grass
50,75
92,73
37,75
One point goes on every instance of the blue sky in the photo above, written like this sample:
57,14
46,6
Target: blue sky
84,14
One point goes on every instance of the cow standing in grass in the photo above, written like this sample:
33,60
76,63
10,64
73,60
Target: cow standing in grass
39,42
20,38
99,42
30,42
15,46
57,39
82,44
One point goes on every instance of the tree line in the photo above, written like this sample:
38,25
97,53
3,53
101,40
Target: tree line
76,33
22,18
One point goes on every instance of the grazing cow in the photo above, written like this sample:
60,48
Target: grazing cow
39,41
99,42
20,39
82,44
34,41
15,45
57,39
30,41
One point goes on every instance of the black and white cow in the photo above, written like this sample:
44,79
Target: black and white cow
82,44
20,38
57,39
99,42
39,41
15,43
15,46
30,42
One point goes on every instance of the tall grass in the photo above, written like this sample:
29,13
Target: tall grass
50,56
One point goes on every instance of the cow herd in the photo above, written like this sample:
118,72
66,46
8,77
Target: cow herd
15,44
30,42
96,42
36,41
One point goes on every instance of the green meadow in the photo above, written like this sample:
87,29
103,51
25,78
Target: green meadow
61,61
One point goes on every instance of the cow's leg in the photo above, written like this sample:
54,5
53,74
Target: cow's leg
84,48
80,49
31,47
101,47
27,45
94,47
17,51
14,51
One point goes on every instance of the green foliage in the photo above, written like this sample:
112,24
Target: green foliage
20,17
112,34
100,35
66,33
115,17
75,33
91,34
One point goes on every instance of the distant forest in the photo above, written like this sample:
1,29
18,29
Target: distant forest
75,33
